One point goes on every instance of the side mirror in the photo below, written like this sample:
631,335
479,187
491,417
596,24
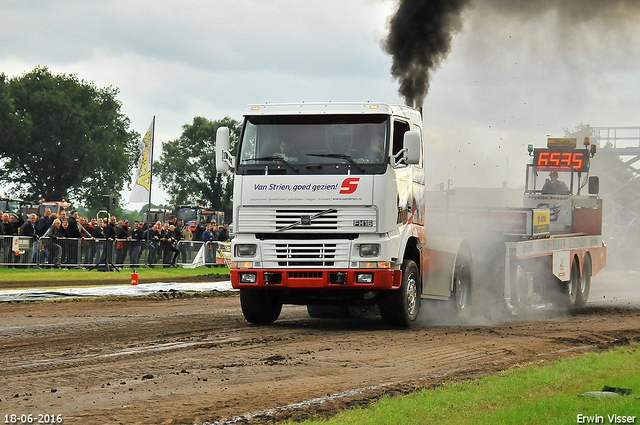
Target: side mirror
412,146
594,185
222,150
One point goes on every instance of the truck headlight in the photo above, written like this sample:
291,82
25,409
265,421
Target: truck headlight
248,278
369,249
246,250
364,277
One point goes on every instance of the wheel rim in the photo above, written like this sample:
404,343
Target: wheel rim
412,295
572,288
519,286
585,280
463,288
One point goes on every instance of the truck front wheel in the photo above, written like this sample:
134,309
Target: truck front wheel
401,307
260,307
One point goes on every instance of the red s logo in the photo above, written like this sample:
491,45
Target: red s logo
349,185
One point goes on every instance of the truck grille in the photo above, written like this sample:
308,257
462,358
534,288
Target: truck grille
312,253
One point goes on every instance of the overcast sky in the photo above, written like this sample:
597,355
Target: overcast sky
517,70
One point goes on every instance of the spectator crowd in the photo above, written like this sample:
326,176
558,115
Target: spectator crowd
69,240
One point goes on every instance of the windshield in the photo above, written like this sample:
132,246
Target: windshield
314,143
549,182
186,213
10,206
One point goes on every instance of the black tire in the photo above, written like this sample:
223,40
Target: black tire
518,286
401,307
461,294
585,283
569,290
260,306
573,285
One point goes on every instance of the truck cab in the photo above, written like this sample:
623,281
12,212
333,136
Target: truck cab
328,204
558,179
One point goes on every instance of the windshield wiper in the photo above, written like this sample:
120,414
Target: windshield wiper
273,158
338,156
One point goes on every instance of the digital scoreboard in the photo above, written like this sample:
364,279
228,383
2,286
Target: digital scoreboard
576,160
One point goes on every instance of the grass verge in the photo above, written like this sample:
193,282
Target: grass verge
9,277
542,393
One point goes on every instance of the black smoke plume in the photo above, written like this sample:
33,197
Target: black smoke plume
419,39
421,31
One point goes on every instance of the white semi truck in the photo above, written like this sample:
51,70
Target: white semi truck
330,209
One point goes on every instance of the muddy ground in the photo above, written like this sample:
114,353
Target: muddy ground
184,359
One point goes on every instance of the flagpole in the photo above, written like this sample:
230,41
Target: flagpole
153,136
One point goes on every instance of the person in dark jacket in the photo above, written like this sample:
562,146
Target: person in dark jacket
180,236
42,224
153,236
223,233
53,233
170,249
110,232
67,243
74,230
123,236
29,229
16,224
210,247
98,235
137,236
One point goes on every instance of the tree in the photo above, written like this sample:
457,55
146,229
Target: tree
61,138
187,168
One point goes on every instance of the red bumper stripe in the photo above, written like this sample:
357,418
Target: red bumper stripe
317,278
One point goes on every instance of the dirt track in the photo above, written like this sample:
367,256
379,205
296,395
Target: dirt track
191,360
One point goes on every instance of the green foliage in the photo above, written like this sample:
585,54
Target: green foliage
580,132
187,167
534,394
145,207
62,138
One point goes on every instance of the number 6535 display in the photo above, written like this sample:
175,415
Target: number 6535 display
572,160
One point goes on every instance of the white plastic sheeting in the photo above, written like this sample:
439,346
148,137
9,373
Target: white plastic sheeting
99,291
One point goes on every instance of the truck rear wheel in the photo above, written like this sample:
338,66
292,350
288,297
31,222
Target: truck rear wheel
260,307
568,293
573,286
401,307
462,287
585,283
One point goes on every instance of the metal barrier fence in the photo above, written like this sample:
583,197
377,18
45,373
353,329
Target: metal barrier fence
26,251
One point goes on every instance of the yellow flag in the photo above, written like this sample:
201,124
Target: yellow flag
142,179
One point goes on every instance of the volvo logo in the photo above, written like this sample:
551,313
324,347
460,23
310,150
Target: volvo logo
305,220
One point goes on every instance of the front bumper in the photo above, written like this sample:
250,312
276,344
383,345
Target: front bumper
316,278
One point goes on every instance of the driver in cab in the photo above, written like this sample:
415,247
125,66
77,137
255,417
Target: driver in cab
553,185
